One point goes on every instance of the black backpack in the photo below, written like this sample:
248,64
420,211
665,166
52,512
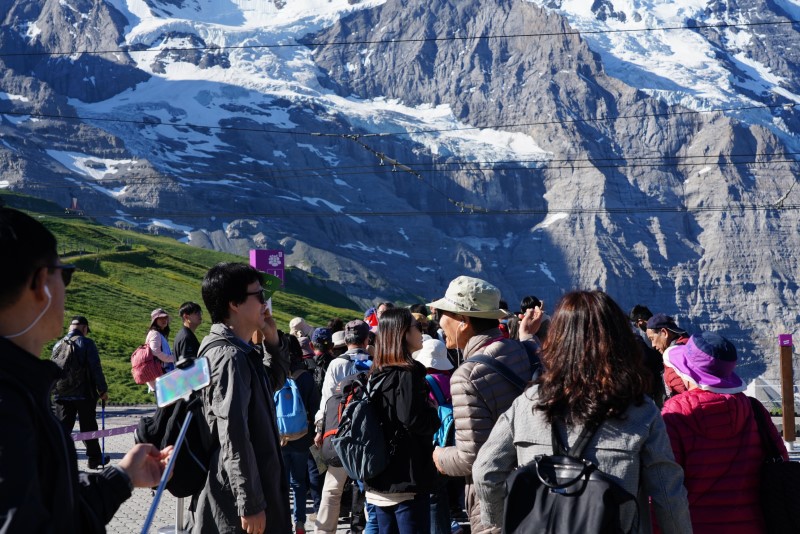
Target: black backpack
73,367
346,390
162,429
564,493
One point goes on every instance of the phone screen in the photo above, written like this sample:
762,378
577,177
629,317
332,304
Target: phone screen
181,382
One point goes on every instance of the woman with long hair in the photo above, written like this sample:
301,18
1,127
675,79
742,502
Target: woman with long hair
401,492
593,378
157,339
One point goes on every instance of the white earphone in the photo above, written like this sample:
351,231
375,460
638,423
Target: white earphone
47,292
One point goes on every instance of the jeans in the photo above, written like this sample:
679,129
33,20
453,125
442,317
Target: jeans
296,471
440,508
408,517
85,409
372,519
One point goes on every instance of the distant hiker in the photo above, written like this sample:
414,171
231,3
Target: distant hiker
639,316
715,437
468,314
651,357
247,475
186,344
41,489
664,335
593,381
81,385
157,339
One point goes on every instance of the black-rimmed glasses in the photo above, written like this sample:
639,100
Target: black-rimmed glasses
261,295
67,270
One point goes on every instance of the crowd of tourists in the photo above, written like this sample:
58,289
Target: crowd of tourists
469,396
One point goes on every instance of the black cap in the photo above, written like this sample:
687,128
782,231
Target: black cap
80,320
661,320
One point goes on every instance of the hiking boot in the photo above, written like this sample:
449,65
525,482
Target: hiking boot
99,463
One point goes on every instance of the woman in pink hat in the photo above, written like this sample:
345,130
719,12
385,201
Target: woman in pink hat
157,340
715,437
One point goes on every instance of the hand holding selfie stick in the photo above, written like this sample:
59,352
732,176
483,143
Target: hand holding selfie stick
185,382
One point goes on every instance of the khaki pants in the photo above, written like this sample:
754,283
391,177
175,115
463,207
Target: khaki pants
328,514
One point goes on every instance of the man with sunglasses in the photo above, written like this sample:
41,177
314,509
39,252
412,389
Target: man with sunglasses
247,489
40,487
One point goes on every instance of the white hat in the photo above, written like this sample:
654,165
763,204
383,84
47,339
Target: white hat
472,297
433,355
298,327
338,340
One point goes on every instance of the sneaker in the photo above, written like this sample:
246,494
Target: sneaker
299,529
99,463
455,528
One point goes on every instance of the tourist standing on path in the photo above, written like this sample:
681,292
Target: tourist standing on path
401,493
594,378
81,385
246,489
157,340
186,344
41,489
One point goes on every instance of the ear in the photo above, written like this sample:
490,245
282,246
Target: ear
39,283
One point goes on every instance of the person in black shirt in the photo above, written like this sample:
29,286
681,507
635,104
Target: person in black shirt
186,344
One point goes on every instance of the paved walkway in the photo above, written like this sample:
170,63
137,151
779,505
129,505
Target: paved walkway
131,515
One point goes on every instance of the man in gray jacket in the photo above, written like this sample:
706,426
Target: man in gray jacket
246,489
468,314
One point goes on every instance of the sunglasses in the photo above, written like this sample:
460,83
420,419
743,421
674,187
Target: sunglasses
67,270
261,295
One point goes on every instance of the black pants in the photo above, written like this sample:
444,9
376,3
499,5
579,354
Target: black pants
85,409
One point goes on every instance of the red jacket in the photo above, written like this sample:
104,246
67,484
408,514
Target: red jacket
715,439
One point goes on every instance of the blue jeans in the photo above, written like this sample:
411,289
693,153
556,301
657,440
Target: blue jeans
372,520
440,508
296,463
315,481
409,517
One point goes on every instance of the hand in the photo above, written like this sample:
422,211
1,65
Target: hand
318,440
530,322
436,460
104,396
254,524
144,464
270,330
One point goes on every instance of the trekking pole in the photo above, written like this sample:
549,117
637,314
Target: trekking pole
164,477
103,425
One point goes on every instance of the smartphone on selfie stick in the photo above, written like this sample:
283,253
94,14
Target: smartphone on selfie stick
189,375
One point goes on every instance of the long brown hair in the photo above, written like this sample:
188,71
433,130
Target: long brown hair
390,344
593,364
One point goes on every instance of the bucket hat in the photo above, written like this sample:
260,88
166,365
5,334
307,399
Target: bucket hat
433,355
708,360
155,314
472,297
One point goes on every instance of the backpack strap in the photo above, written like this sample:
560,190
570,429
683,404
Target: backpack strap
436,390
576,451
499,368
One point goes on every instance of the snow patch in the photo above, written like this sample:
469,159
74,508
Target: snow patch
550,220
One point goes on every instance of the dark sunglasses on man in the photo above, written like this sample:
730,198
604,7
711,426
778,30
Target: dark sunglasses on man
67,270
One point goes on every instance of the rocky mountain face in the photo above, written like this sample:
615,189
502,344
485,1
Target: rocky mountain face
534,157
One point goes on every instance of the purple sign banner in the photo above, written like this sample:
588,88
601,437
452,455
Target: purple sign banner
785,340
268,261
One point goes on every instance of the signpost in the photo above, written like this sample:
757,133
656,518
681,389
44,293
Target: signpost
268,261
787,387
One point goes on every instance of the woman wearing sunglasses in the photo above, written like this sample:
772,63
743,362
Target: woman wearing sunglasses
401,492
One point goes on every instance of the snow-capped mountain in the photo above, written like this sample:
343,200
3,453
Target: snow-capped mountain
645,147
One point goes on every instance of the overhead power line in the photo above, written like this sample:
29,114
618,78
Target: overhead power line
134,49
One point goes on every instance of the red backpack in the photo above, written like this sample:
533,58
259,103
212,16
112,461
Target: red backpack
145,367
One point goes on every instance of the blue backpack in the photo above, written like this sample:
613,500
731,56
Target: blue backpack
446,435
290,410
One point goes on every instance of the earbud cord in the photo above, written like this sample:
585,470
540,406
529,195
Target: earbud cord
38,318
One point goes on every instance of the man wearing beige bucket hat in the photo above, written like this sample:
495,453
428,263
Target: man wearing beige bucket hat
482,390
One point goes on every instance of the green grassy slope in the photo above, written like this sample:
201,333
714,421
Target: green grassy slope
124,275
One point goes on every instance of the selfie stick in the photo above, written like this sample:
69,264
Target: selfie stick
163,484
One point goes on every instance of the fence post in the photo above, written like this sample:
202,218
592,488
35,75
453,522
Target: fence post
787,387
